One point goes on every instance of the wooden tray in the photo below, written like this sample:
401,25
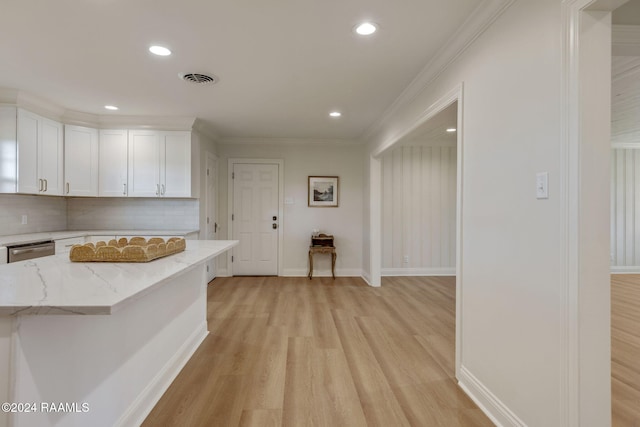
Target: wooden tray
138,249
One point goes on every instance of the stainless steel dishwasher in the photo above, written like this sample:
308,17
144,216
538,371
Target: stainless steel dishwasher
26,251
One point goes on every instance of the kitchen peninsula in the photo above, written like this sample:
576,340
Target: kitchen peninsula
104,340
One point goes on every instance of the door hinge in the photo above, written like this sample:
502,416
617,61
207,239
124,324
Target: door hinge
207,220
231,258
232,216
207,172
233,175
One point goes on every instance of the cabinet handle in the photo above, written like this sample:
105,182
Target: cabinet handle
67,188
157,189
162,192
40,184
124,189
46,185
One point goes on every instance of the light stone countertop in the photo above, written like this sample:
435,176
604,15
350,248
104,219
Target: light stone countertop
55,285
55,235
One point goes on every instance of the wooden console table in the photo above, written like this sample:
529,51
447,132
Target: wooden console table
322,250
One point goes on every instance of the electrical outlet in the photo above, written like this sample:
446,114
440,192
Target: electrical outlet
24,219
405,259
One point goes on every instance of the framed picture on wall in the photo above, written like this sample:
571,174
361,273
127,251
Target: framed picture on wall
323,191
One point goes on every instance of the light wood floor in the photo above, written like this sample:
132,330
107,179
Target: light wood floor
625,350
295,352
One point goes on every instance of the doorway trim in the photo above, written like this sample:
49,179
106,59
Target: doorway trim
280,163
211,218
586,50
454,95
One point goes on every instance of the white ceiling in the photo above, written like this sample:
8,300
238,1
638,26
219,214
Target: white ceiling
283,65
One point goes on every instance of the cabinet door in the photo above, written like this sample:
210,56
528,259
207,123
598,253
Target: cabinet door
28,135
51,157
175,164
80,161
40,154
112,163
144,161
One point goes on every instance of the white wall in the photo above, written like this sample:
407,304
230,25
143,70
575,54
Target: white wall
44,213
300,161
512,272
625,164
419,210
625,217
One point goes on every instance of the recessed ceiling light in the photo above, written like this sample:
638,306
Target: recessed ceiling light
335,114
451,129
365,28
111,107
160,50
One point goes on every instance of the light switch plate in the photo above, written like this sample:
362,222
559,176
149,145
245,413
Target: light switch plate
542,185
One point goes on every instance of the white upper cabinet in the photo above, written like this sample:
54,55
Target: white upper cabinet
175,164
36,159
80,161
144,163
39,154
112,164
159,163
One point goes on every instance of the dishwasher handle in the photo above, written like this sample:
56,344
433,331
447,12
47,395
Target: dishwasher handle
30,250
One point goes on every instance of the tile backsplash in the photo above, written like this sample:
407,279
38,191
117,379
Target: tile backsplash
132,214
58,213
42,214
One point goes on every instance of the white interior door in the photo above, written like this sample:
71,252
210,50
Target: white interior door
211,228
255,219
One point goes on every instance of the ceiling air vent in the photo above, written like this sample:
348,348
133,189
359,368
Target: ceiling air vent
198,78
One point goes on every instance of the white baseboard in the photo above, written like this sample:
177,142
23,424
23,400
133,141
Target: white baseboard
493,407
427,271
634,269
367,279
149,397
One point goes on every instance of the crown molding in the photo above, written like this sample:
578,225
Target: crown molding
478,22
147,122
287,141
103,121
206,130
8,95
31,102
54,111
79,118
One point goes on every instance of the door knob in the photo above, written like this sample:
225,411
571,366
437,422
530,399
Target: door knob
275,218
274,226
